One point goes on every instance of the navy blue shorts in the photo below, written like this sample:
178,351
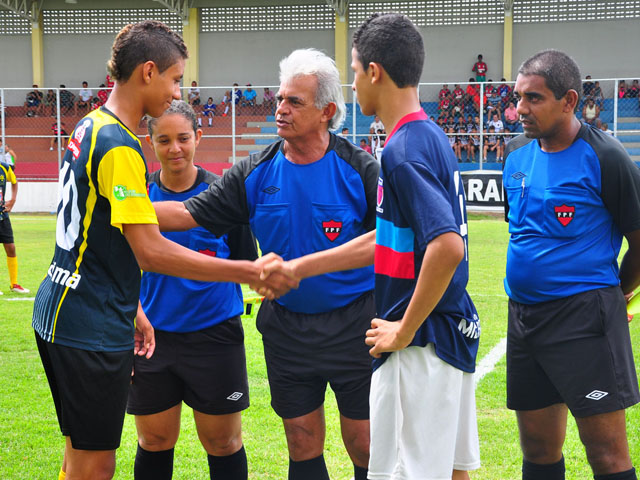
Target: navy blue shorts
575,350
304,352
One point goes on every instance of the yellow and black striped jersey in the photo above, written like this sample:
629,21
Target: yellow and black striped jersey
6,175
89,296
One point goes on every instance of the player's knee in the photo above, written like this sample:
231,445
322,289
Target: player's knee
222,444
540,450
156,441
303,443
608,457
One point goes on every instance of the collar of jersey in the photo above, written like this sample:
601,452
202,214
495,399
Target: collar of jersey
411,117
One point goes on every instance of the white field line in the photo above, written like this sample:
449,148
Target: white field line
488,362
20,299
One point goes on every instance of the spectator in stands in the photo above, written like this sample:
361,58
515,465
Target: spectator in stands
109,82
209,111
64,136
376,125
605,129
85,95
504,91
103,95
470,123
7,155
451,122
472,142
511,117
463,142
597,95
445,105
458,93
249,97
194,94
480,68
237,94
492,144
622,89
457,108
496,123
590,112
492,97
365,146
587,87
444,92
34,102
454,143
50,101
269,100
66,100
633,90
461,126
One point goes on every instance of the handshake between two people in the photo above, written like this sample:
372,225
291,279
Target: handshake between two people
276,276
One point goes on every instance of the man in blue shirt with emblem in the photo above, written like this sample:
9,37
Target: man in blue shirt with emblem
423,420
572,194
305,193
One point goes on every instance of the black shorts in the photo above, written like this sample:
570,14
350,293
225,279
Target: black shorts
206,369
305,351
574,350
6,232
89,391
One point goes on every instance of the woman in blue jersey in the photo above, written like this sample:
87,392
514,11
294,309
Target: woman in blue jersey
199,356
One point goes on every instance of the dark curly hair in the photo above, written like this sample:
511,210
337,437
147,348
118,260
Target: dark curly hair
137,43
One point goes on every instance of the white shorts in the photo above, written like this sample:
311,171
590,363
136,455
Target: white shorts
423,418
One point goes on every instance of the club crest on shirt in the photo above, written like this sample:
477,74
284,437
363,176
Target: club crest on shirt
208,252
380,199
565,214
332,229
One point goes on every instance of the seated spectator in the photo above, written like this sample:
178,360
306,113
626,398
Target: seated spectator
458,93
85,95
34,102
444,106
496,123
472,142
605,129
209,111
109,83
66,100
622,89
470,123
511,117
269,100
454,143
451,122
237,94
442,123
95,103
457,108
587,87
590,112
504,92
50,102
249,97
461,126
64,136
492,144
480,68
492,96
444,92
597,95
7,155
103,95
633,90
194,94
365,146
377,143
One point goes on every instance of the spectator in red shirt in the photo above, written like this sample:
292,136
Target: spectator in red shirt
103,95
445,104
365,146
480,69
444,92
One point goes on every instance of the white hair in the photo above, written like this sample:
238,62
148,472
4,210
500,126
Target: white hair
309,61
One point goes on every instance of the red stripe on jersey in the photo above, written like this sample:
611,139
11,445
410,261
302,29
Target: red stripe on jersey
394,264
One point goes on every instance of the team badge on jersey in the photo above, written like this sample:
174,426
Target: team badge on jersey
332,229
565,214
380,199
209,253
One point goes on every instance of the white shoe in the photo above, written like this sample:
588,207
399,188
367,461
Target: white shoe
50,149
19,289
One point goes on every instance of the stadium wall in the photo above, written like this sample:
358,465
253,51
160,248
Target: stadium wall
36,197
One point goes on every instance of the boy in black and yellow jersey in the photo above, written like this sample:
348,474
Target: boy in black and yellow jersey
106,231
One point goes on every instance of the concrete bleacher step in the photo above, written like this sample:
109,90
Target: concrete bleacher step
250,148
628,119
260,124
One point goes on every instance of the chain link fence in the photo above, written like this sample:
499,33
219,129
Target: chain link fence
478,118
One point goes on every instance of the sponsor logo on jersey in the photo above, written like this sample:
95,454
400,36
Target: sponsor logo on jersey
235,396
63,277
470,329
332,229
209,253
81,130
121,192
271,189
74,146
596,395
565,214
380,197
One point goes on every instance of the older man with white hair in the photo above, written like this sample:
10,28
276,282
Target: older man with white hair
309,191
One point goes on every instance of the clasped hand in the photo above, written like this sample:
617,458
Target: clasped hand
276,277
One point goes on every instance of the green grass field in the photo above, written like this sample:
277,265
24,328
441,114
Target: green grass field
31,445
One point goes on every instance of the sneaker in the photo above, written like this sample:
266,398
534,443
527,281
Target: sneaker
18,289
50,149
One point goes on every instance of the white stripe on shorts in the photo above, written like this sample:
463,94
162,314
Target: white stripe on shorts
423,418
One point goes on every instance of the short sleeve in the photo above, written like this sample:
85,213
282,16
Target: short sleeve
11,176
424,202
122,181
620,187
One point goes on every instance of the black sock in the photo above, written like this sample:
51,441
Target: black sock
359,473
153,465
313,469
230,467
535,471
628,475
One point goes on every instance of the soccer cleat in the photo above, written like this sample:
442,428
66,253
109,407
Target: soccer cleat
19,289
